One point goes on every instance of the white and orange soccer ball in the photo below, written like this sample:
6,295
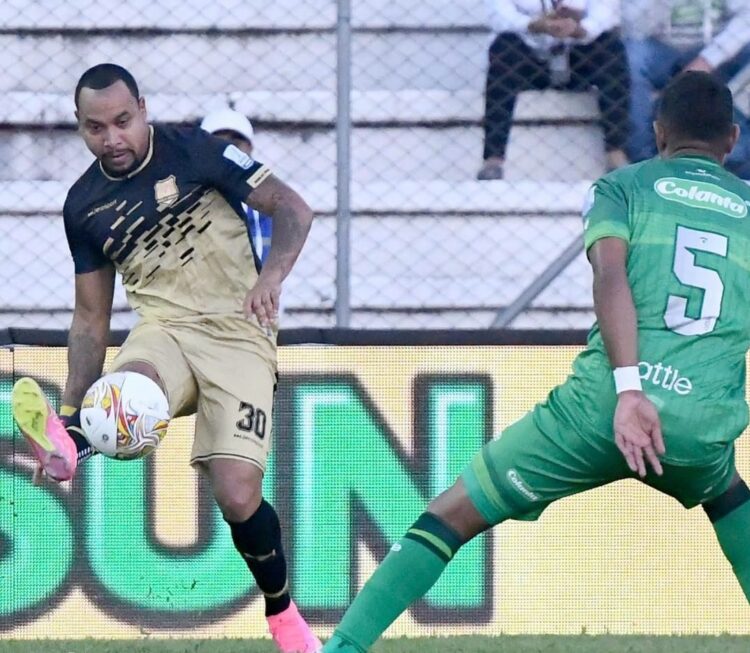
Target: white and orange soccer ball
124,415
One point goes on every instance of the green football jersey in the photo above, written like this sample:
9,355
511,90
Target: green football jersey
687,225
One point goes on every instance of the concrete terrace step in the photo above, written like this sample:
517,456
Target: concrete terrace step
499,198
236,14
218,62
433,263
301,156
316,106
423,254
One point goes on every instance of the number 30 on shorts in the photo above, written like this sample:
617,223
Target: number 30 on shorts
253,420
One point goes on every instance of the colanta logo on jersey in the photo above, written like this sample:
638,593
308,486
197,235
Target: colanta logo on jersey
701,195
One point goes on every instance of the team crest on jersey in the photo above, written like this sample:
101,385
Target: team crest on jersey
166,192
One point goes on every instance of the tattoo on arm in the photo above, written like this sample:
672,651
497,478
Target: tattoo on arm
289,234
292,218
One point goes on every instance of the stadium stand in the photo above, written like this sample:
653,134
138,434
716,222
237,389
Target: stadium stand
418,81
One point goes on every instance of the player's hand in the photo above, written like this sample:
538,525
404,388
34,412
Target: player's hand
569,12
562,28
638,432
262,301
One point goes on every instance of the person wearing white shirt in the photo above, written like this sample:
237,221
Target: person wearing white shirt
539,44
664,37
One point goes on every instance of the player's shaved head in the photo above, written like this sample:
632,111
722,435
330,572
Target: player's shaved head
697,106
695,115
103,75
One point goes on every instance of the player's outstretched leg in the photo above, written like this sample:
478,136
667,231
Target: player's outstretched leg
407,573
730,515
51,444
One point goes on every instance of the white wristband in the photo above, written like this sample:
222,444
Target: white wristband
627,378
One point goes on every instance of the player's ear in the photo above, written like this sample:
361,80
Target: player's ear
142,104
660,136
734,136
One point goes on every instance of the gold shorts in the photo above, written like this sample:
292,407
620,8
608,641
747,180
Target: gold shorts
222,368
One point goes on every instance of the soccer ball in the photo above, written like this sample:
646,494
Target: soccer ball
124,415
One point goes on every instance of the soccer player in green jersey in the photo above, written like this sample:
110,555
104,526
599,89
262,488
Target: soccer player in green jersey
659,392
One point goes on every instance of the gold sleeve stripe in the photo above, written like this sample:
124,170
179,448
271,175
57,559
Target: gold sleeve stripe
134,225
258,176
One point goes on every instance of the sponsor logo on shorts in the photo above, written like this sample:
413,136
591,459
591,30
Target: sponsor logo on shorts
517,482
665,376
701,195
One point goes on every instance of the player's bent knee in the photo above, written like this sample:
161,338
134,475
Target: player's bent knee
455,508
142,367
237,488
238,507
737,495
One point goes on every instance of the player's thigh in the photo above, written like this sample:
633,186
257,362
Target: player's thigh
538,460
152,344
235,405
695,484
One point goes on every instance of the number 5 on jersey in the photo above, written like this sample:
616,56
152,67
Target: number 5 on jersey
687,242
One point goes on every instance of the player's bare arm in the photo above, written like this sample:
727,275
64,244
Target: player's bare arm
636,422
89,331
292,218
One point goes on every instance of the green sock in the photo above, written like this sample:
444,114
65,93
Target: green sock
406,574
732,526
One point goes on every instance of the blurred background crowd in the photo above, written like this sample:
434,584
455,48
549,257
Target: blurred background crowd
446,146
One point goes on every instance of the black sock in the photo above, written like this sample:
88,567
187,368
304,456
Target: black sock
85,450
259,542
73,427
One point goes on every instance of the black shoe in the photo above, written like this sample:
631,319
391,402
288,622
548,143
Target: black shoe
490,171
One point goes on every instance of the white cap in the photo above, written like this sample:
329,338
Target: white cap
227,119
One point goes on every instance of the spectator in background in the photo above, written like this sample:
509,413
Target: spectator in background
234,127
554,44
664,37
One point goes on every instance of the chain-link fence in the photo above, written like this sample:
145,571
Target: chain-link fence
406,235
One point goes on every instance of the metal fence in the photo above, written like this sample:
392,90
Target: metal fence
381,114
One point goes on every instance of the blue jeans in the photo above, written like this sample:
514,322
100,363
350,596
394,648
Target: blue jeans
652,64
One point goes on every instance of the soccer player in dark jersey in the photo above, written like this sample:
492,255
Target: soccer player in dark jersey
659,392
163,207
234,127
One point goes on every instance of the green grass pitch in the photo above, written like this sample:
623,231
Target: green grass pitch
507,644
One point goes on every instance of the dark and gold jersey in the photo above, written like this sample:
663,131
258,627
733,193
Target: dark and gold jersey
174,228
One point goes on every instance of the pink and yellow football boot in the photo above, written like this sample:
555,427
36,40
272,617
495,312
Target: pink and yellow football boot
53,448
290,632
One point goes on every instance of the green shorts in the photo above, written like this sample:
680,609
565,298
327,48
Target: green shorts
542,458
